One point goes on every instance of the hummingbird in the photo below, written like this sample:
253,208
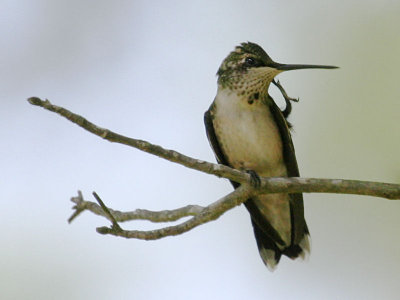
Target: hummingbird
249,132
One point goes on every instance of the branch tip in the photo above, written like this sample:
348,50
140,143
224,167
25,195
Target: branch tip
34,100
37,101
75,214
103,230
79,207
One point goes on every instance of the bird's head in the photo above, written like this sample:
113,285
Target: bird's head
249,69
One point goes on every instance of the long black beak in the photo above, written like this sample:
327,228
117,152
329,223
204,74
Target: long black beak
287,67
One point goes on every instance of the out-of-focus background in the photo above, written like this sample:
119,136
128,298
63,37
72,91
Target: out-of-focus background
146,69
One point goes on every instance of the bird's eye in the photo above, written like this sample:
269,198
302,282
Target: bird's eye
250,61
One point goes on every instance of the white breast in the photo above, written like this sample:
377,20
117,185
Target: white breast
248,134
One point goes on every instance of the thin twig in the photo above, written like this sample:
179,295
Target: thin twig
79,207
138,214
209,213
115,225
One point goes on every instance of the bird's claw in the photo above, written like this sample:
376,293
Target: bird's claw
284,94
255,180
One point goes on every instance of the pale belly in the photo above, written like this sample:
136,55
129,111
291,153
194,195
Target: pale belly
249,137
250,140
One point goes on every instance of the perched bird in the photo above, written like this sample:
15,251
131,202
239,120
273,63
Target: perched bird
249,132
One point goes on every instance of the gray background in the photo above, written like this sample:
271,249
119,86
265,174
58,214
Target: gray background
147,69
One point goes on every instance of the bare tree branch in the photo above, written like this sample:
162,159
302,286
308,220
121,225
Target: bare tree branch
271,185
171,155
207,214
138,214
200,214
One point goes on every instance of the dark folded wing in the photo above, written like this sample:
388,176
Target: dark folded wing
299,226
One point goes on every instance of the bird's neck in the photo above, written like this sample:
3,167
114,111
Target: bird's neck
245,94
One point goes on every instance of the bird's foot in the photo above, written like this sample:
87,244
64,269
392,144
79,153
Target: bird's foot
284,94
255,180
288,109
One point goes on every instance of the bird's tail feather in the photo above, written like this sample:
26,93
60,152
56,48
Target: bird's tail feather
271,252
